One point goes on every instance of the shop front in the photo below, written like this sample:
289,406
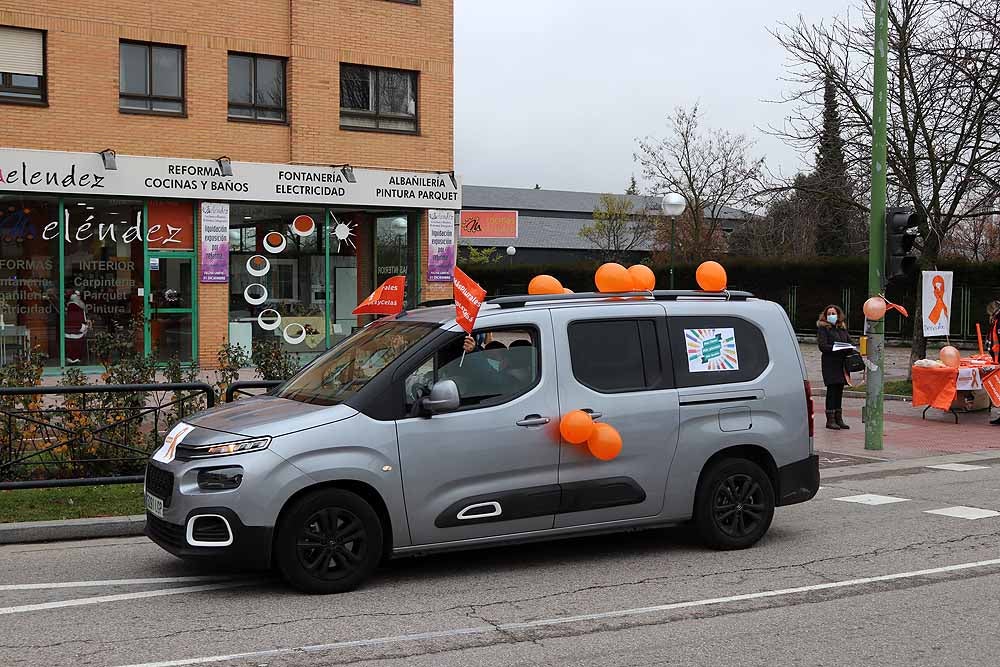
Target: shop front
189,258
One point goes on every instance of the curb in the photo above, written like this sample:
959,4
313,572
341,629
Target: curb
72,529
858,394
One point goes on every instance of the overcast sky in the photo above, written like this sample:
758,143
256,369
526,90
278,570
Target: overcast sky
555,92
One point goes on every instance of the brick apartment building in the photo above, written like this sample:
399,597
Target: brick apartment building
224,171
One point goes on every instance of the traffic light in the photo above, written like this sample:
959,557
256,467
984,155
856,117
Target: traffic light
902,228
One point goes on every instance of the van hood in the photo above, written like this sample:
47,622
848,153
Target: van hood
268,415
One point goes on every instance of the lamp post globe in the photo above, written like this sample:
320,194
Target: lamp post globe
511,250
673,205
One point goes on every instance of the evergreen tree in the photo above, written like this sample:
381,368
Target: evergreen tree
830,187
633,187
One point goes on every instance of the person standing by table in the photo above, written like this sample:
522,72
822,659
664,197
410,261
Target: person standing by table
832,328
993,338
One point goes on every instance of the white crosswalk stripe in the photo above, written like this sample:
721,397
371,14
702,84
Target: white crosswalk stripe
962,512
957,467
872,499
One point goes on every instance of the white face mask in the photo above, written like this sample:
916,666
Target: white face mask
832,319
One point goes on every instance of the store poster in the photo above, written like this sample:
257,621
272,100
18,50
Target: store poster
440,246
214,242
936,302
711,350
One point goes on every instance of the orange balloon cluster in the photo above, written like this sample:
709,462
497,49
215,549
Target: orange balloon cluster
711,277
611,278
603,440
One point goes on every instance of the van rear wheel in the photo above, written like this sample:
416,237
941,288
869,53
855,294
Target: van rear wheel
734,504
329,541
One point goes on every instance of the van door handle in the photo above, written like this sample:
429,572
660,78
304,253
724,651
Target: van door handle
534,420
593,414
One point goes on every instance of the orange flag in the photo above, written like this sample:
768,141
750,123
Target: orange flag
468,300
386,300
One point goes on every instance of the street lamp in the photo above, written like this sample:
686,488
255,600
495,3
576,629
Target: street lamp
511,251
673,205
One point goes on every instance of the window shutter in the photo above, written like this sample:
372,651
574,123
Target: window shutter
21,51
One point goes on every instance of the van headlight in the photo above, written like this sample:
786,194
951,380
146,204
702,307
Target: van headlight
188,452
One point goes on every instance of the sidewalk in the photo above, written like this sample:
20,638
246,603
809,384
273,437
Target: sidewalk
907,436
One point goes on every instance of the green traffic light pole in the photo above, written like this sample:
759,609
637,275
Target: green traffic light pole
876,229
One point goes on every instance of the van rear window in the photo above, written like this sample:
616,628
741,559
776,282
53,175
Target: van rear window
713,350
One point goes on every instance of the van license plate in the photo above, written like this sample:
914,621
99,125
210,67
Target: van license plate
154,505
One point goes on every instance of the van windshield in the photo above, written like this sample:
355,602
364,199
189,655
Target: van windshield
343,371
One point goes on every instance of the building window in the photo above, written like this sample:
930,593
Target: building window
151,78
22,65
256,87
373,98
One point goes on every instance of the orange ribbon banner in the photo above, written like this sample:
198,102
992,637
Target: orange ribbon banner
386,300
468,300
991,383
940,308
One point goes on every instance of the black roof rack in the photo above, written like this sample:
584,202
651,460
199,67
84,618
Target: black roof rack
658,295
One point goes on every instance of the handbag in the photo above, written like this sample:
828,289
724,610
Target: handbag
853,363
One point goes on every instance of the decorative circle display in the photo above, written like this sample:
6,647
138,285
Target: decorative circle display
342,231
269,326
303,225
274,242
297,339
258,265
253,300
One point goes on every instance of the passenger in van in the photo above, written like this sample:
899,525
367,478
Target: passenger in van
832,328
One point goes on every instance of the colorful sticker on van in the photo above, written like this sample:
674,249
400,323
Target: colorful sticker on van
711,350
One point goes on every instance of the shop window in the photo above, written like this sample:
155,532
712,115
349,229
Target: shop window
256,87
373,98
394,252
22,66
29,278
103,250
277,286
151,78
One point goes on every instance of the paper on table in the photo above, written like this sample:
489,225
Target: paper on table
837,347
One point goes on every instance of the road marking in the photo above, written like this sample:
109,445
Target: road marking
107,582
101,599
564,620
961,512
872,499
957,467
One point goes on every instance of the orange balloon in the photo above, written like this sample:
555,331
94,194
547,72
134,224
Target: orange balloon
874,308
711,277
605,442
950,356
643,278
576,426
613,277
543,284
567,290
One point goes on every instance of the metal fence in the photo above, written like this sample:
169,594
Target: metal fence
242,388
100,434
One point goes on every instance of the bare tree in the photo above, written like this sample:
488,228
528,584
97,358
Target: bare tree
976,239
944,108
710,169
787,229
618,228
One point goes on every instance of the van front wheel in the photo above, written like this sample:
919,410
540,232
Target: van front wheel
734,504
329,541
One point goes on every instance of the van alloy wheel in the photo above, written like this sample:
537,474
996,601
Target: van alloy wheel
739,507
332,544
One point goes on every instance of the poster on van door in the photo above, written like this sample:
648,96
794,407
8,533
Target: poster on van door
711,350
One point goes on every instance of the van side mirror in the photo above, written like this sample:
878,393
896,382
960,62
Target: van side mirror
443,398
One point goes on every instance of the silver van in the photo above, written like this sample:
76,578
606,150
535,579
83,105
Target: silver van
410,437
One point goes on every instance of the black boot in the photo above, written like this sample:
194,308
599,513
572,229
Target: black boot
839,418
831,422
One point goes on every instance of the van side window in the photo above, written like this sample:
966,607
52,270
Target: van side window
613,356
716,349
504,364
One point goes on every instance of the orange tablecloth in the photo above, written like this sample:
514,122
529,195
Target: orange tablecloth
935,387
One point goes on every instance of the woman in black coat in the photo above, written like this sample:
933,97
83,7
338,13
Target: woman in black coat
832,328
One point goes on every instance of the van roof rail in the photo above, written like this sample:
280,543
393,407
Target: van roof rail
657,295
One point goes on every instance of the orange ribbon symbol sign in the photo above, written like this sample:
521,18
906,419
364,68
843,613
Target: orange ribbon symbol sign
939,308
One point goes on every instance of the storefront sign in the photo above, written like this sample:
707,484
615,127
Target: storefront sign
58,172
489,224
936,303
171,225
214,242
440,245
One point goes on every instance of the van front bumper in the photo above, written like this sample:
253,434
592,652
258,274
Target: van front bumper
250,548
799,481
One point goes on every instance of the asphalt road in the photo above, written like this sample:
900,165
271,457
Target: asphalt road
833,583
